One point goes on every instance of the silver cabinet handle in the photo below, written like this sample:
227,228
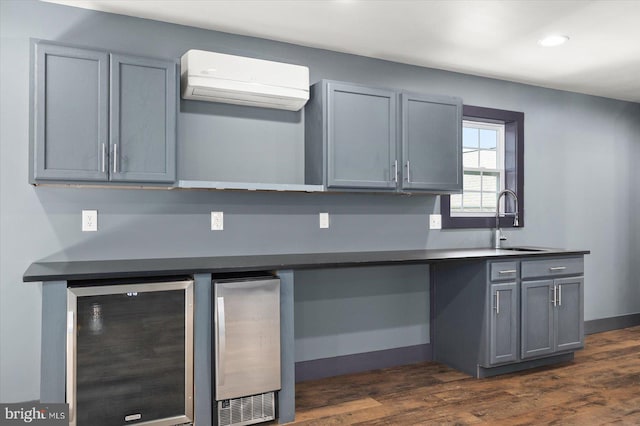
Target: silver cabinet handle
553,300
395,171
508,271
115,158
497,302
104,158
408,172
557,268
559,295
222,340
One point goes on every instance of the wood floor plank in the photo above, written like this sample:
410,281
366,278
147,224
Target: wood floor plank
368,415
345,407
601,386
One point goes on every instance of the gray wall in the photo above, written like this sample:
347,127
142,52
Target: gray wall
581,190
355,310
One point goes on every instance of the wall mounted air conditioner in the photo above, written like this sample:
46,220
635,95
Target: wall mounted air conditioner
217,77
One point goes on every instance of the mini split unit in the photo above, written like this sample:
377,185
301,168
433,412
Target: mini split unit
217,77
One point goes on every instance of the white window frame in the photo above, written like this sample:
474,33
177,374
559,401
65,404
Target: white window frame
500,155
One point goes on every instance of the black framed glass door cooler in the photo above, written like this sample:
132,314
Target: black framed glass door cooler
130,353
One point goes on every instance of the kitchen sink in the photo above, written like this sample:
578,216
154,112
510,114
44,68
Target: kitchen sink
524,249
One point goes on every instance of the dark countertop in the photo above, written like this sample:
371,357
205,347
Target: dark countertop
127,268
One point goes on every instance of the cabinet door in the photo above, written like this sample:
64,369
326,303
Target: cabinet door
361,132
70,114
143,119
431,143
569,313
537,318
504,323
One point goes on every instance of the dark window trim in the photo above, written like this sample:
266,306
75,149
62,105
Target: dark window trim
514,170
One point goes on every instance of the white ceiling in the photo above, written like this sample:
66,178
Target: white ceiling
488,38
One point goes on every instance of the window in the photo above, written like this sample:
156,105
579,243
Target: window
493,160
483,162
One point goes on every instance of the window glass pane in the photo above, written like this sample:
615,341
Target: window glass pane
469,158
484,147
471,181
456,201
488,159
489,201
490,182
469,137
488,139
471,201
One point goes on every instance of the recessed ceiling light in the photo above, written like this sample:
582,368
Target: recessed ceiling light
553,40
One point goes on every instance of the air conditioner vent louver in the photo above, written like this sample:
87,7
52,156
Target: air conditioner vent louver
247,410
218,77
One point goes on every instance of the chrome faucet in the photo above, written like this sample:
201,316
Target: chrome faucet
498,237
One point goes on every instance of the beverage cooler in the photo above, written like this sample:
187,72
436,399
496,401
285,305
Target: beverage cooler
246,349
130,353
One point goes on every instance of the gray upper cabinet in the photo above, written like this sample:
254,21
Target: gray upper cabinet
69,113
361,137
355,138
143,110
350,133
431,143
97,118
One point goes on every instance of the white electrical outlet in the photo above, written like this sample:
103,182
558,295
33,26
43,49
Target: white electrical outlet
324,220
89,220
217,221
435,221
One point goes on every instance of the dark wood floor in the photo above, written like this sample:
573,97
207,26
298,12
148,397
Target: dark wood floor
601,386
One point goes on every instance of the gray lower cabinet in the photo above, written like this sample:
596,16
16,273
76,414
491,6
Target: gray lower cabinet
537,318
100,117
502,313
503,326
532,313
569,314
361,138
476,314
552,316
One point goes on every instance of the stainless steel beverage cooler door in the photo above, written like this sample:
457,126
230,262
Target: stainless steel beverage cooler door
247,337
130,354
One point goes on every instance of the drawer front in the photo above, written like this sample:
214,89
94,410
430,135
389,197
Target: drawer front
553,267
501,271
